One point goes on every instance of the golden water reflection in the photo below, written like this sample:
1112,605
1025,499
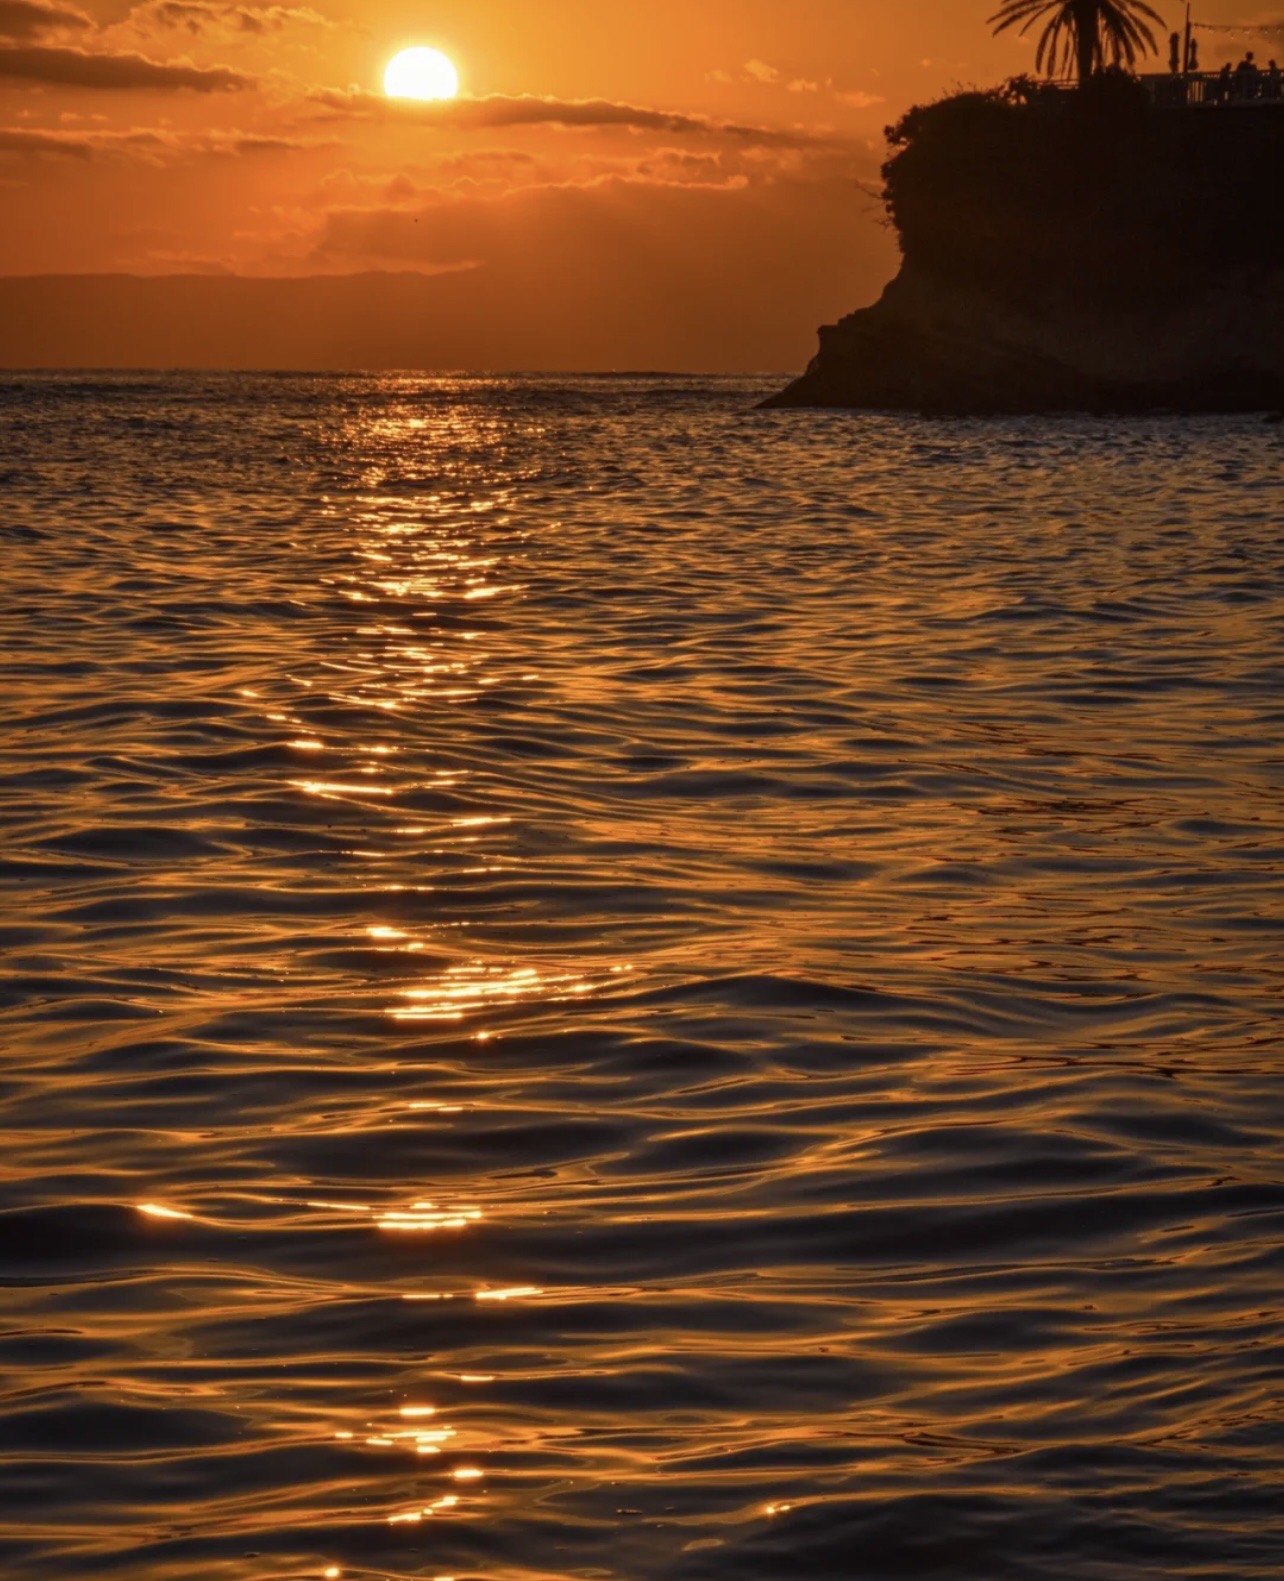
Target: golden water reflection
478,985
944,820
430,577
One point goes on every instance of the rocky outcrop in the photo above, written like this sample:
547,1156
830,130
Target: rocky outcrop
931,345
1063,250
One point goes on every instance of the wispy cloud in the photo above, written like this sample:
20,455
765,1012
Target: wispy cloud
760,71
152,145
50,65
24,143
502,110
204,18
29,19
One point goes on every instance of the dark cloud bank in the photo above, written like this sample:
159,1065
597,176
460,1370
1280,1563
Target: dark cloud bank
22,20
54,66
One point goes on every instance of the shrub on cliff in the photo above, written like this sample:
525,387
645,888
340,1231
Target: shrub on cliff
1092,194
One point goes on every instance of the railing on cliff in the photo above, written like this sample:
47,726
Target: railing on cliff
1207,89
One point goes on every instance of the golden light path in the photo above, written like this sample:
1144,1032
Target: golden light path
420,73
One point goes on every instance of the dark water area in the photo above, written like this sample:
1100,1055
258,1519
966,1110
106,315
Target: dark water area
601,984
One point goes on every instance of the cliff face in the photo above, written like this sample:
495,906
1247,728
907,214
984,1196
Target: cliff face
933,345
1071,251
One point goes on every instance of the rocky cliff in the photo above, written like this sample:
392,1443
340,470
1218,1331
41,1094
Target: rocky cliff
1072,251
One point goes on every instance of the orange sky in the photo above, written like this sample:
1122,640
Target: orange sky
675,173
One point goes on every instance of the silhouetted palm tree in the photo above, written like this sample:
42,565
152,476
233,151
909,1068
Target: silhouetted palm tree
1085,36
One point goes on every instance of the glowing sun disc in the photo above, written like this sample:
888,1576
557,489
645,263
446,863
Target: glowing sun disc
420,73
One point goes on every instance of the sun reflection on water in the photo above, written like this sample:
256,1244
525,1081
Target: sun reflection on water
934,1148
429,574
477,985
428,1216
158,1210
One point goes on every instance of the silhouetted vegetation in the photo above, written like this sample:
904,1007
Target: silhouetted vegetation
1083,36
1091,195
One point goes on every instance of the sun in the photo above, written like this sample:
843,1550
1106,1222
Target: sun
420,73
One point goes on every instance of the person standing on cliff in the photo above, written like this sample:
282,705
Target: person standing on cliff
1247,77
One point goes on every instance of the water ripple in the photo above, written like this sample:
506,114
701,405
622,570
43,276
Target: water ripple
603,984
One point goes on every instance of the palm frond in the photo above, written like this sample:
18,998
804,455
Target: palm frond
1083,35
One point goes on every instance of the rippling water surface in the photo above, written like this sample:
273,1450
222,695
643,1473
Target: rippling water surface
604,985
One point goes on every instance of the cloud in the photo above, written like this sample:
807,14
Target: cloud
498,174
466,225
502,110
862,101
210,17
639,273
151,145
79,68
625,273
28,19
576,224
760,71
486,163
20,142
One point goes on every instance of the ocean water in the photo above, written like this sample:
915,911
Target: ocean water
600,984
